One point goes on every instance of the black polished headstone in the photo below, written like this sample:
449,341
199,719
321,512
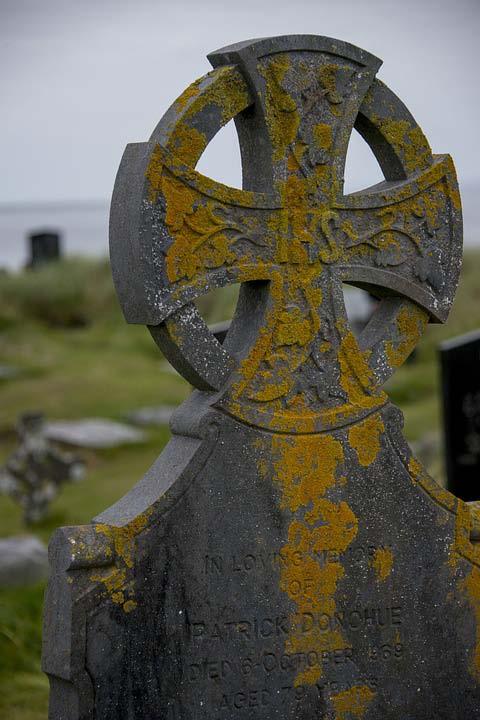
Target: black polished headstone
460,362
45,247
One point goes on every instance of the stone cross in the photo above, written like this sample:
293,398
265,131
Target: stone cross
286,556
35,472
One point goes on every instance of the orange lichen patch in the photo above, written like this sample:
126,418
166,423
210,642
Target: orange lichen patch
293,328
282,116
382,562
179,200
200,241
249,364
123,537
431,205
115,583
129,606
117,580
188,144
356,377
454,194
439,494
327,75
411,323
352,704
306,467
224,87
293,193
230,92
409,140
154,174
364,438
323,136
191,92
462,547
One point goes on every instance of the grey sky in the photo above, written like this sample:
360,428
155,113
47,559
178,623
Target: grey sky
79,79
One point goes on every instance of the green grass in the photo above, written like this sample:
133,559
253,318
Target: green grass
62,327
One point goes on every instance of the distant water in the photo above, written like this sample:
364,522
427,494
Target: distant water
84,229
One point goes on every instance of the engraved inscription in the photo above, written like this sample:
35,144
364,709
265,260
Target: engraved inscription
252,563
306,623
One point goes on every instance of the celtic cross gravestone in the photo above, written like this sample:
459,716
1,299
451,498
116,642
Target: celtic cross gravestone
286,556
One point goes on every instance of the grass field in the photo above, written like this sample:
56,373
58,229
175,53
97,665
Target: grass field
77,358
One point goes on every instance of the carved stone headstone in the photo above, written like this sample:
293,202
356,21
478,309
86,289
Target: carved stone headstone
460,360
286,556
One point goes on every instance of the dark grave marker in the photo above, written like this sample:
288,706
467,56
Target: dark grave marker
45,247
460,361
285,556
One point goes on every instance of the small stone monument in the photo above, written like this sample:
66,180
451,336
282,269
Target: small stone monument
45,247
286,556
460,361
36,470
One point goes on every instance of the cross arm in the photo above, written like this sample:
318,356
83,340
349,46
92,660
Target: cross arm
404,238
175,234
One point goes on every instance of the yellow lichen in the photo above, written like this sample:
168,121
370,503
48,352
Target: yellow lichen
352,704
364,438
188,144
187,96
356,377
408,140
117,580
306,468
129,606
323,135
442,496
382,562
282,115
224,87
411,323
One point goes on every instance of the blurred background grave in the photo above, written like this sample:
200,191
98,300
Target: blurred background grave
35,472
45,247
460,363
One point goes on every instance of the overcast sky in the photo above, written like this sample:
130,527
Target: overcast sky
80,79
